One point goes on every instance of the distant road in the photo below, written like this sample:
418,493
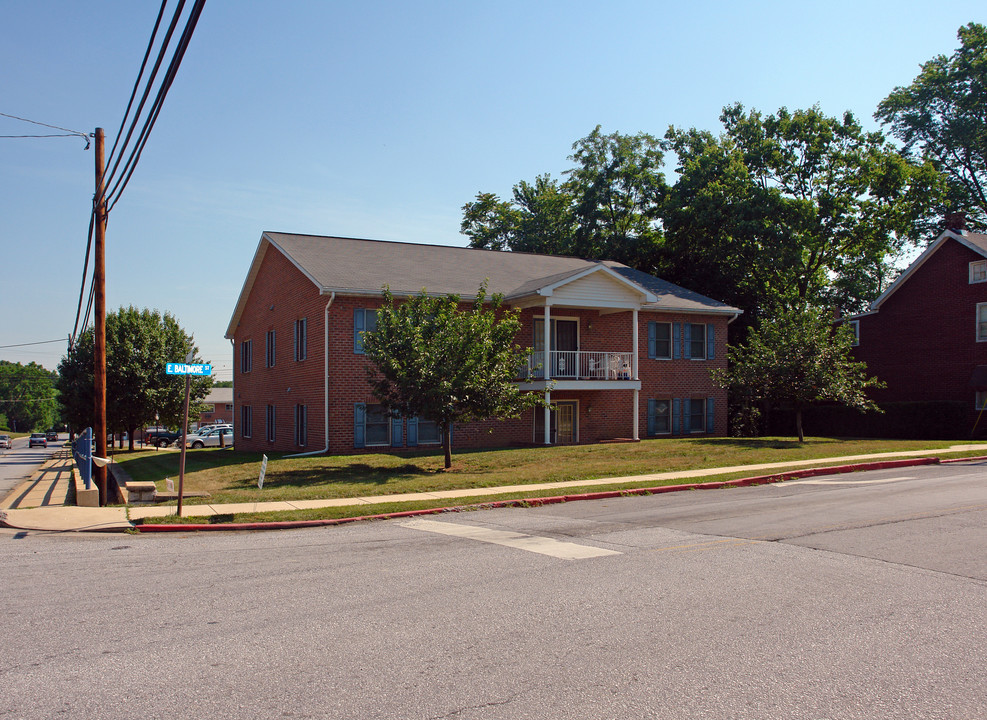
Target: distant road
20,462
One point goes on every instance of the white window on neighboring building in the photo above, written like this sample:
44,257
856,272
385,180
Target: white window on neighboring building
980,400
855,327
978,271
981,322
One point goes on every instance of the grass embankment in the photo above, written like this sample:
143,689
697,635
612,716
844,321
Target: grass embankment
231,477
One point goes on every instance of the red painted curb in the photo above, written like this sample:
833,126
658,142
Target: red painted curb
529,502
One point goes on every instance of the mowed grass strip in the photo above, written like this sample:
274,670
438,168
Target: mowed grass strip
231,477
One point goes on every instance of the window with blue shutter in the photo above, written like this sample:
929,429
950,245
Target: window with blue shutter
659,417
364,320
694,415
652,341
676,416
687,340
659,340
710,416
397,431
710,342
676,340
651,416
412,432
359,425
696,341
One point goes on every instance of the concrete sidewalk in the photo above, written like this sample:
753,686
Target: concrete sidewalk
35,506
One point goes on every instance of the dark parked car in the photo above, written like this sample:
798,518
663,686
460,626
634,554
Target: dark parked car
38,439
51,436
160,437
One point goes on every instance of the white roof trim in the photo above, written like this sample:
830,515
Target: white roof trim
919,262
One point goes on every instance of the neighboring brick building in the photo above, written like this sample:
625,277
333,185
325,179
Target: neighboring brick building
218,407
926,336
629,354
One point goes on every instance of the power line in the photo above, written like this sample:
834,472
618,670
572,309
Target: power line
71,133
39,342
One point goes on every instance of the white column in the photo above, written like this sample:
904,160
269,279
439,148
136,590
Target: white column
634,356
548,418
548,342
637,407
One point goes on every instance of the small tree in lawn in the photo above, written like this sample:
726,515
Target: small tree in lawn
431,359
797,357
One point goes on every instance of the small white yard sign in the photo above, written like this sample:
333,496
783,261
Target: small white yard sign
263,469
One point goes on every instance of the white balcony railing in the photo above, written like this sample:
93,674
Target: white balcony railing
580,365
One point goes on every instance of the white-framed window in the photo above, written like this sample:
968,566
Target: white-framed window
246,356
981,322
978,271
696,337
371,426
269,349
301,425
660,340
980,400
660,416
695,415
428,433
271,424
301,339
246,421
855,327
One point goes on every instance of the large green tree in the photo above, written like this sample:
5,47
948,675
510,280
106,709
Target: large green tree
943,116
139,343
795,357
795,206
606,208
27,396
432,359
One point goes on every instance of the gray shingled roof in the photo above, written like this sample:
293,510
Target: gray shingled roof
350,266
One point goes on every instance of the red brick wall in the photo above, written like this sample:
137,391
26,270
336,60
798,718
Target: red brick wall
923,340
602,414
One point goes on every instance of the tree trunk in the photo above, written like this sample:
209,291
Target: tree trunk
130,438
798,423
447,443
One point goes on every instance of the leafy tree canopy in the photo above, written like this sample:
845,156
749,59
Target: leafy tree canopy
138,345
433,359
607,208
943,114
27,396
795,357
795,206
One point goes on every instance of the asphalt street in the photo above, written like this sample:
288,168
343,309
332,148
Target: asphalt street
18,463
845,597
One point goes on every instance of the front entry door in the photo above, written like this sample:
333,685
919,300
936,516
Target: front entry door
565,423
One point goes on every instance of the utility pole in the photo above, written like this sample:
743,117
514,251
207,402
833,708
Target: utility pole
99,346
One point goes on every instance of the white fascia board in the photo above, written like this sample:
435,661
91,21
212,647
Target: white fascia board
649,297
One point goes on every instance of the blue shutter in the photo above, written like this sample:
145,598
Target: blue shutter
676,419
676,340
687,340
710,342
359,325
652,339
651,416
413,432
686,416
360,425
710,416
397,431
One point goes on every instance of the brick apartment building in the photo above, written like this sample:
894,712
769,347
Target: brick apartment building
629,355
926,336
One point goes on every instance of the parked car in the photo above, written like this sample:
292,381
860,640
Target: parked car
38,439
51,436
5,441
160,437
210,437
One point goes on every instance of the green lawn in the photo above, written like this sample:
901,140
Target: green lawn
230,476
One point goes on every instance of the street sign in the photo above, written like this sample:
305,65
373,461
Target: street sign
187,369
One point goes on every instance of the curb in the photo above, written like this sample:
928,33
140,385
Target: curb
536,502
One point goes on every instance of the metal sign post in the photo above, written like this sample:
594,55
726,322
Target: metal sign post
188,371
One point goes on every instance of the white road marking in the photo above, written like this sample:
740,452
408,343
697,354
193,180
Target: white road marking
531,543
825,481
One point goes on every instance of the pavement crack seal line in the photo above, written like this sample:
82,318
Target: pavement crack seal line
539,501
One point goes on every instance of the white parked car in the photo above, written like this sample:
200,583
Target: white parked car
209,437
5,441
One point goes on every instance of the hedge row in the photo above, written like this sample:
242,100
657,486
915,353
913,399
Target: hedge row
904,420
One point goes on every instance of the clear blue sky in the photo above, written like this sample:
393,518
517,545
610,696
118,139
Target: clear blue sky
377,120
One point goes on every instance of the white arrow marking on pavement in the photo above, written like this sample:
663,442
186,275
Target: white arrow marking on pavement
532,543
824,481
